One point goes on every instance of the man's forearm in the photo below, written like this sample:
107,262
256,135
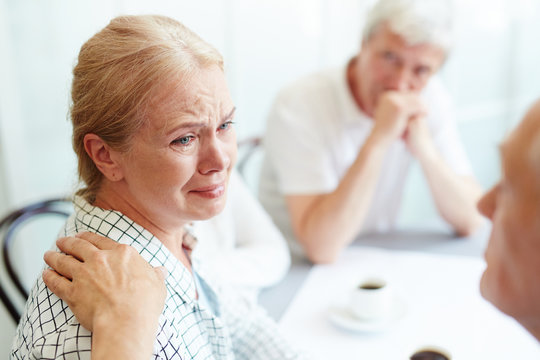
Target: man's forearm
332,220
455,196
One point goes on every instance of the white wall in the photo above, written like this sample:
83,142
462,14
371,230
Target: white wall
492,75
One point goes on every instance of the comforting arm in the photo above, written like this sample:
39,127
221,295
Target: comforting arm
112,291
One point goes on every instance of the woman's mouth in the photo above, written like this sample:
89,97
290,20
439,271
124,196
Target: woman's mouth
210,192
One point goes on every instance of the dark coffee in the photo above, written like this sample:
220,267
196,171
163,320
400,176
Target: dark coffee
370,286
429,355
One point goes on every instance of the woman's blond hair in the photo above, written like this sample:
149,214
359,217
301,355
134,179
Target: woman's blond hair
118,72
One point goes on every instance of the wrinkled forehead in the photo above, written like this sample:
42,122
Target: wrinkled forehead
200,94
171,96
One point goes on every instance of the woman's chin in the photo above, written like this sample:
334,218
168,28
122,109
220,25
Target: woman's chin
211,211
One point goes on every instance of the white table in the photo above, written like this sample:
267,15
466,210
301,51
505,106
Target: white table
436,277
277,299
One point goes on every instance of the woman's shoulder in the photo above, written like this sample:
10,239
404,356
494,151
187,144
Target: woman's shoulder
48,327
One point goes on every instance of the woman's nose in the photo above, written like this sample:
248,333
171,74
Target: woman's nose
213,157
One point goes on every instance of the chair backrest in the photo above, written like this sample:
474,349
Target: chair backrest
250,152
247,149
11,232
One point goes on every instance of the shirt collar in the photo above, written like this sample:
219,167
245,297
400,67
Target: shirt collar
118,227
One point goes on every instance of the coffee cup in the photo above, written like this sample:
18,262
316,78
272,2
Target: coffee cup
431,353
372,299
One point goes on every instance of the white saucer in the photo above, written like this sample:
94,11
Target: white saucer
342,317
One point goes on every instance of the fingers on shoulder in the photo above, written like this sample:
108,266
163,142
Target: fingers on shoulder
128,252
65,265
98,241
57,283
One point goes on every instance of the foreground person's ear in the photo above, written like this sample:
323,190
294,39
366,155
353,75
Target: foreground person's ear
103,156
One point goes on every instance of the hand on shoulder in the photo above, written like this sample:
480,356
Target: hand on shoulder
104,282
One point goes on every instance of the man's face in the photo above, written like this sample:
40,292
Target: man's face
387,62
511,280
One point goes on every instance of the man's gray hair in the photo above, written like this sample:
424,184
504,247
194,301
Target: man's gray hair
416,21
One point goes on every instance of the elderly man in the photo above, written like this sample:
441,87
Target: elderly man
339,143
511,279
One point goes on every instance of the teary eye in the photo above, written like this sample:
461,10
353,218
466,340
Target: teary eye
184,140
226,125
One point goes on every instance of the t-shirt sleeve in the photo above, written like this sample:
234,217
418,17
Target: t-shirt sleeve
295,145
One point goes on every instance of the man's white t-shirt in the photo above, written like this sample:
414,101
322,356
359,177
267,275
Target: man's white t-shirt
314,133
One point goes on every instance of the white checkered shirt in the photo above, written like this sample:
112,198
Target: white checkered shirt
233,327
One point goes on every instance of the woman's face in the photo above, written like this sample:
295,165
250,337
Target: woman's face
178,167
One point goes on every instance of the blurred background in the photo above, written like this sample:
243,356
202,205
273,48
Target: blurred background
493,75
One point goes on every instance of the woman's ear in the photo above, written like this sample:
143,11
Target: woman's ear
103,156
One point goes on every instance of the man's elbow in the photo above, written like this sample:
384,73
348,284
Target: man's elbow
318,246
470,227
320,255
321,259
